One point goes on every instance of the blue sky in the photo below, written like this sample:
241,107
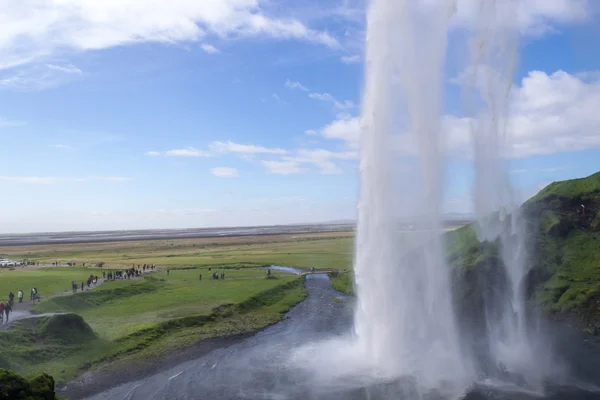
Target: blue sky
241,112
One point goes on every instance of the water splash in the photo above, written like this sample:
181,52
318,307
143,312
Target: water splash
487,88
405,322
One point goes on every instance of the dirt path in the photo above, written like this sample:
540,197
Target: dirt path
24,310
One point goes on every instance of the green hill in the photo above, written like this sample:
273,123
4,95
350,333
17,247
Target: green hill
564,256
564,252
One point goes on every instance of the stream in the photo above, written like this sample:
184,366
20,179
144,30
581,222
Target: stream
259,367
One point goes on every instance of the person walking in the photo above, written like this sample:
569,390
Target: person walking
20,295
7,310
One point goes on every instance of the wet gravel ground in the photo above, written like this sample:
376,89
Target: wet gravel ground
259,368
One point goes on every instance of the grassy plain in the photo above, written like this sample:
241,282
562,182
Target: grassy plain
133,320
319,250
48,281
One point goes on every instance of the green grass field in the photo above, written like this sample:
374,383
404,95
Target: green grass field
320,250
121,308
145,318
48,281
139,319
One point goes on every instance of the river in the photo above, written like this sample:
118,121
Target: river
259,367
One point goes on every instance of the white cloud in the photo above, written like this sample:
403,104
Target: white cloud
327,97
6,123
37,77
345,128
278,99
32,29
186,152
60,146
321,96
322,159
209,48
295,85
67,69
325,161
224,172
548,114
51,180
218,147
354,59
531,17
282,167
232,147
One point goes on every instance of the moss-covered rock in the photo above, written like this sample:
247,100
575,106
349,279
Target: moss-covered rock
42,387
66,327
15,387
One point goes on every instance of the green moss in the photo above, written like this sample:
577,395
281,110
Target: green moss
15,387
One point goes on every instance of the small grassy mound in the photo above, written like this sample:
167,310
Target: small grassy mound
31,342
69,328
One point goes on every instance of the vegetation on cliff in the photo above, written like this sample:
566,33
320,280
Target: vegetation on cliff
15,387
564,255
563,245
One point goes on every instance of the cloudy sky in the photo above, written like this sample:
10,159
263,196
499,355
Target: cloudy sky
122,114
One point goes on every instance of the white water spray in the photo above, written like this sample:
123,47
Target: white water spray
405,322
488,83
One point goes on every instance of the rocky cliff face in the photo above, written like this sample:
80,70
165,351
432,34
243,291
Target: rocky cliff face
564,256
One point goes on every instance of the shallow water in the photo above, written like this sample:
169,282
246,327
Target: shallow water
266,365
285,269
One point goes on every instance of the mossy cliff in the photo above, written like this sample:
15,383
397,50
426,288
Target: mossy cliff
563,253
563,256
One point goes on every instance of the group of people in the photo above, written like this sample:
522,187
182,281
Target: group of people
91,280
215,276
6,308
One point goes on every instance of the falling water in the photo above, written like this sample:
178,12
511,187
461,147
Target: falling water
487,85
405,322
